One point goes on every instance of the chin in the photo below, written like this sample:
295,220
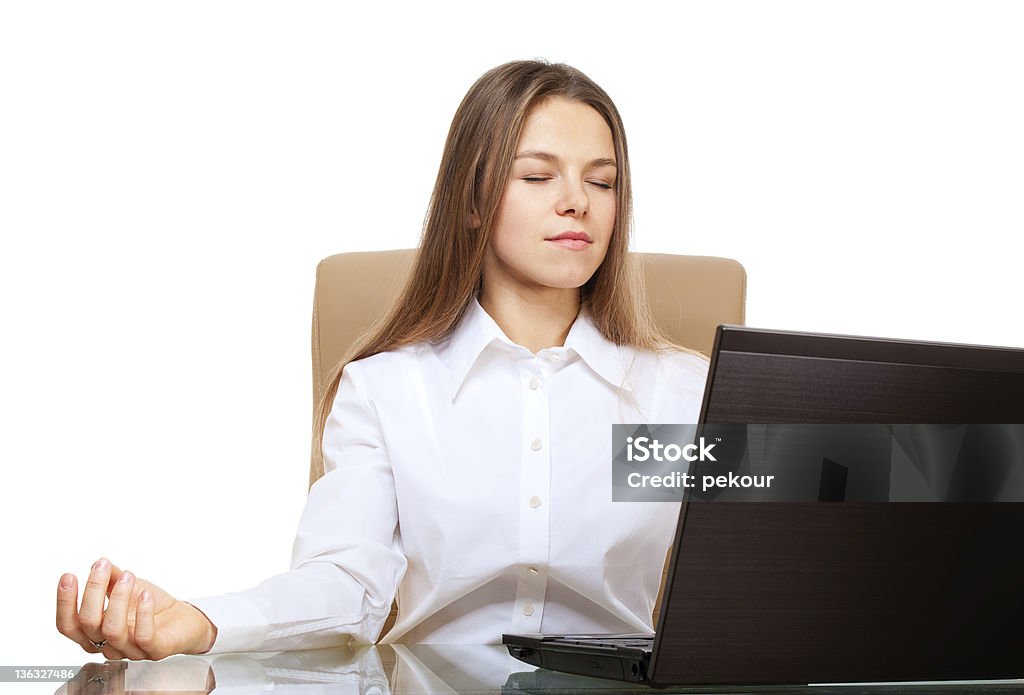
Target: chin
569,282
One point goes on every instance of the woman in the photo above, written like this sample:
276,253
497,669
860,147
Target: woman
465,443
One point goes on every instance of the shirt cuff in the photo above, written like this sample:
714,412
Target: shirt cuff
240,625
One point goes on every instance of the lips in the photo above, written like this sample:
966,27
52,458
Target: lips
573,235
572,240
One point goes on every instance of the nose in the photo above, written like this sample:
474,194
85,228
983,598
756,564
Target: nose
573,200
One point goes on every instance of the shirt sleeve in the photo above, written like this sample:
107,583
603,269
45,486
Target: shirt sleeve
347,559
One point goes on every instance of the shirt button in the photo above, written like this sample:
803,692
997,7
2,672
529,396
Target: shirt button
528,609
534,502
536,445
534,383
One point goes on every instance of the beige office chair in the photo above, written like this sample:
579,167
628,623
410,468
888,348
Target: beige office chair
689,296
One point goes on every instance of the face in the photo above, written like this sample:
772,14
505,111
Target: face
557,212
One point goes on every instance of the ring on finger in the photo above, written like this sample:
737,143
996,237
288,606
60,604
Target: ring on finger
99,645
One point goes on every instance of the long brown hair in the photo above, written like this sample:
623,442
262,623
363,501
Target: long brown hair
474,170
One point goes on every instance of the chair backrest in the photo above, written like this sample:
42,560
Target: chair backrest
689,296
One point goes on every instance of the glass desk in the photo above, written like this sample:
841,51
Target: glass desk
396,669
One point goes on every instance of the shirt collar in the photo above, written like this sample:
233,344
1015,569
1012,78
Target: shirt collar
610,361
477,331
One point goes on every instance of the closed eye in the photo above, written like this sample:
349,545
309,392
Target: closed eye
541,179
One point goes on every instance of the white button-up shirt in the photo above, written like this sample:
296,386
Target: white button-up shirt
474,477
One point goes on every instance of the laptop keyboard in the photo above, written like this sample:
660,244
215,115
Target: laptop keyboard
611,642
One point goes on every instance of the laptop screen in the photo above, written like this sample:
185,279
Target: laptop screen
789,592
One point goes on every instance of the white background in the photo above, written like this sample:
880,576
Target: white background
171,173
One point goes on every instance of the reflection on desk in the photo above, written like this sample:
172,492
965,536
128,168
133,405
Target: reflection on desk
407,669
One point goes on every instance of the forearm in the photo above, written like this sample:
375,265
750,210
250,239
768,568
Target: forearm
313,606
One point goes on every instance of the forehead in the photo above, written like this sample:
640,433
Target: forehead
567,127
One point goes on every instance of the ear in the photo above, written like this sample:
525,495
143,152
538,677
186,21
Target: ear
474,220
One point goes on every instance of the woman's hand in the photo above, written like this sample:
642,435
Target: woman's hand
141,620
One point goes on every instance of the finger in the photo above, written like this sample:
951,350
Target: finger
90,615
67,613
115,619
145,630
133,605
115,574
112,654
67,605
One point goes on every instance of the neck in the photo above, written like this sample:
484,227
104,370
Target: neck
534,320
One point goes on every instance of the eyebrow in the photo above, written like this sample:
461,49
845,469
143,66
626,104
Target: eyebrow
548,157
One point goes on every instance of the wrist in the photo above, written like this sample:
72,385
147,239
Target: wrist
209,633
211,636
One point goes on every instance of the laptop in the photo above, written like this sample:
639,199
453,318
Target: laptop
849,589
